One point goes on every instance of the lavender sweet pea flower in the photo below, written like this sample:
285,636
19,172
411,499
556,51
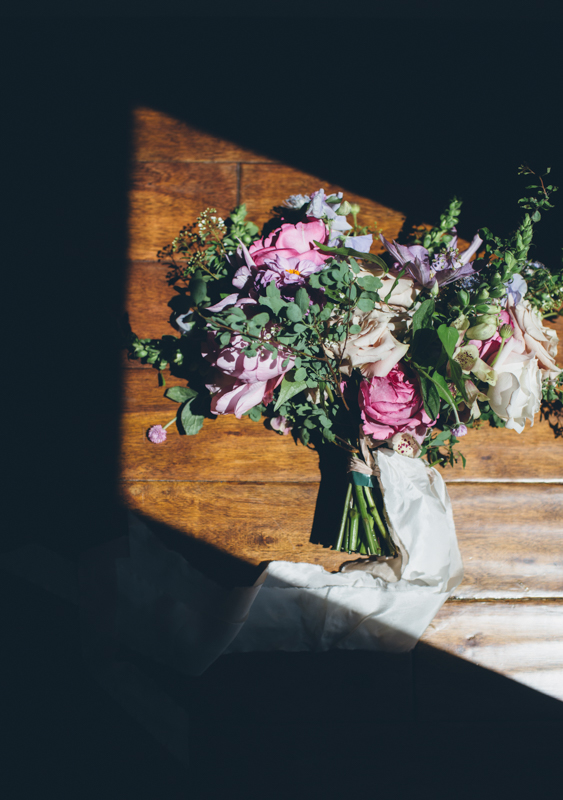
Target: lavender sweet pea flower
318,207
516,288
360,243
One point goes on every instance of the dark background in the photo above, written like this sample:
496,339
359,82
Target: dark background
408,112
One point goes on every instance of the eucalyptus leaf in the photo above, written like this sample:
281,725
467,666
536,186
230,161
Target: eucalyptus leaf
302,299
180,393
294,313
348,251
191,423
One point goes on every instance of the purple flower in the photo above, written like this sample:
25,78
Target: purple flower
446,267
360,243
460,431
516,287
156,434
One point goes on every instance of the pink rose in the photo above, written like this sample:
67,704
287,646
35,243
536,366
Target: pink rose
391,405
292,242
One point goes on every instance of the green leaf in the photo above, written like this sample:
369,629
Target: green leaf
180,393
255,413
261,319
294,313
355,329
348,251
302,299
370,283
430,396
365,304
191,423
442,388
288,389
300,374
448,337
198,290
423,316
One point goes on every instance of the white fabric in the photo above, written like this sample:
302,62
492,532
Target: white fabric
171,612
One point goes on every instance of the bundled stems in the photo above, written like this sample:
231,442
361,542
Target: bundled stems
362,529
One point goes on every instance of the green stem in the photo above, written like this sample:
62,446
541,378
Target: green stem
168,423
366,521
340,539
392,550
354,529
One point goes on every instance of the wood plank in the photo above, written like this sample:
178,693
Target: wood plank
523,641
492,454
165,196
264,186
258,522
160,137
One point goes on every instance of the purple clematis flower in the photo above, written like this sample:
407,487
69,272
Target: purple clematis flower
445,267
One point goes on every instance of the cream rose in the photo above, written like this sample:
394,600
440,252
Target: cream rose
533,337
516,396
403,295
374,351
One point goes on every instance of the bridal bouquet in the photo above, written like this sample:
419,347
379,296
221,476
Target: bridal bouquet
302,325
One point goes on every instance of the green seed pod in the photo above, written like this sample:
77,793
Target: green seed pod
484,309
345,208
482,331
483,294
488,319
498,291
463,297
496,279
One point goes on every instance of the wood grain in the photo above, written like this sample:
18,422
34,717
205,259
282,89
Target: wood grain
160,137
249,451
258,522
523,641
242,493
166,196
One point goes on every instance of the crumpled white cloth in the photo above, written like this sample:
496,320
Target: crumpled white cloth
171,612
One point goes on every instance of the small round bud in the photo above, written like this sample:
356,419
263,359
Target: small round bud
354,208
483,294
247,239
506,331
435,289
345,209
496,279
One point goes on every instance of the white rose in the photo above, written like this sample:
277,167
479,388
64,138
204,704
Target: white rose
534,337
516,396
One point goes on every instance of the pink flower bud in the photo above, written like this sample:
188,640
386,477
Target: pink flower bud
156,434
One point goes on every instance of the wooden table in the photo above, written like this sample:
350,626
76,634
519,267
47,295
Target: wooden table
236,495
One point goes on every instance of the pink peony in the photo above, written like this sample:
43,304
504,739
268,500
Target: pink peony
391,405
241,382
232,396
292,242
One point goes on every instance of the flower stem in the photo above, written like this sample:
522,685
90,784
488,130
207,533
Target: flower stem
390,546
342,530
168,423
354,529
366,521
